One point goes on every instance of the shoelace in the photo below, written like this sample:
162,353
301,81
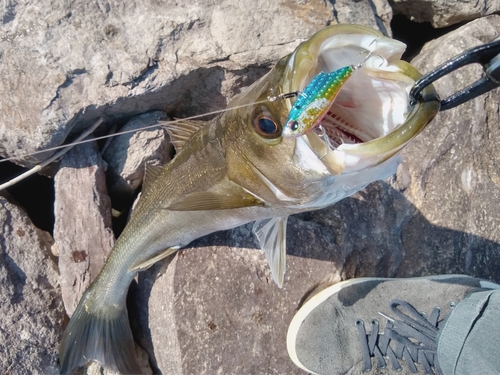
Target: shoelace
412,335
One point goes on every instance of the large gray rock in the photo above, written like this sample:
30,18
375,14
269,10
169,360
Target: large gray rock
215,308
31,309
451,171
441,13
82,230
64,65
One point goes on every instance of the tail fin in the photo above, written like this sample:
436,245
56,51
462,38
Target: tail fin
101,335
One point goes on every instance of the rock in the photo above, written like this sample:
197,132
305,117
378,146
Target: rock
31,309
375,13
94,368
454,170
442,13
128,154
215,308
62,66
82,230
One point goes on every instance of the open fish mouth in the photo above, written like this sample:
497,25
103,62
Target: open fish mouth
371,119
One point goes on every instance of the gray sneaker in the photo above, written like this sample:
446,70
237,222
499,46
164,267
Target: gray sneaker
375,324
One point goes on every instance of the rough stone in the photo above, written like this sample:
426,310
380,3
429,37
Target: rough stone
362,12
452,170
64,65
31,309
82,231
215,308
442,13
128,154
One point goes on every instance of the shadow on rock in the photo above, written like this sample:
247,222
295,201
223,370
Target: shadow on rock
218,293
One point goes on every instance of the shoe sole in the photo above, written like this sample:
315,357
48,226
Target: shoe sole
323,295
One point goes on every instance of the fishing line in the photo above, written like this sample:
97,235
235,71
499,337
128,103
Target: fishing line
270,99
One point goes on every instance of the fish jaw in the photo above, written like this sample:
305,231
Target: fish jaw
371,119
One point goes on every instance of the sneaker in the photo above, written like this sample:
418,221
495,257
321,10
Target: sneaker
386,326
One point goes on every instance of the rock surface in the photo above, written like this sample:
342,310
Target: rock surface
455,183
64,65
442,13
218,307
31,309
82,230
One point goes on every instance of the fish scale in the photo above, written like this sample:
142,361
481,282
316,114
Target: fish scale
313,103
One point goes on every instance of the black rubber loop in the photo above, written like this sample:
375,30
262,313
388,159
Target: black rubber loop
484,55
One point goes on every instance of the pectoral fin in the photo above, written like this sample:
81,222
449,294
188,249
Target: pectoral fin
271,234
148,263
207,200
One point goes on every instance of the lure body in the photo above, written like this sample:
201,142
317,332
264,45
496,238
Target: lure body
313,103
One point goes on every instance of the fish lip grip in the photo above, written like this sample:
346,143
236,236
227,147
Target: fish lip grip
487,55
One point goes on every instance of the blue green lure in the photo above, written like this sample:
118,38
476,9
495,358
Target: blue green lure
313,103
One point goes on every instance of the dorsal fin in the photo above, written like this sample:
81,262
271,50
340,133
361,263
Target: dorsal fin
151,172
181,130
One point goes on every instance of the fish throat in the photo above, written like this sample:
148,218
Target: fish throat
341,129
372,101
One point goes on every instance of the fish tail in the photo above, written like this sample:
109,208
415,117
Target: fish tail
101,334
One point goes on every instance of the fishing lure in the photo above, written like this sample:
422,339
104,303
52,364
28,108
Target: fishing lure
313,102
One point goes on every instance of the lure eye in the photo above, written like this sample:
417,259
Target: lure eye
265,125
294,125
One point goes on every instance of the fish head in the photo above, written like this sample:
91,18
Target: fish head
368,123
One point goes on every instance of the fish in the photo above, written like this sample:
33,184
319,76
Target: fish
238,168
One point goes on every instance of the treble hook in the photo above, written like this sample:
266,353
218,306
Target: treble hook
321,132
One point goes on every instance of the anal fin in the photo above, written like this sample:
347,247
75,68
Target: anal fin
271,234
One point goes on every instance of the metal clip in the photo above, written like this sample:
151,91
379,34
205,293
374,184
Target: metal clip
283,96
488,55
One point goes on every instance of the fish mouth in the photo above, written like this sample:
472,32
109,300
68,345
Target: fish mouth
371,119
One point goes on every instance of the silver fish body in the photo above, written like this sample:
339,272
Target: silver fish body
238,168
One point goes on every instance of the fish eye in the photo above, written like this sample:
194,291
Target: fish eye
265,124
